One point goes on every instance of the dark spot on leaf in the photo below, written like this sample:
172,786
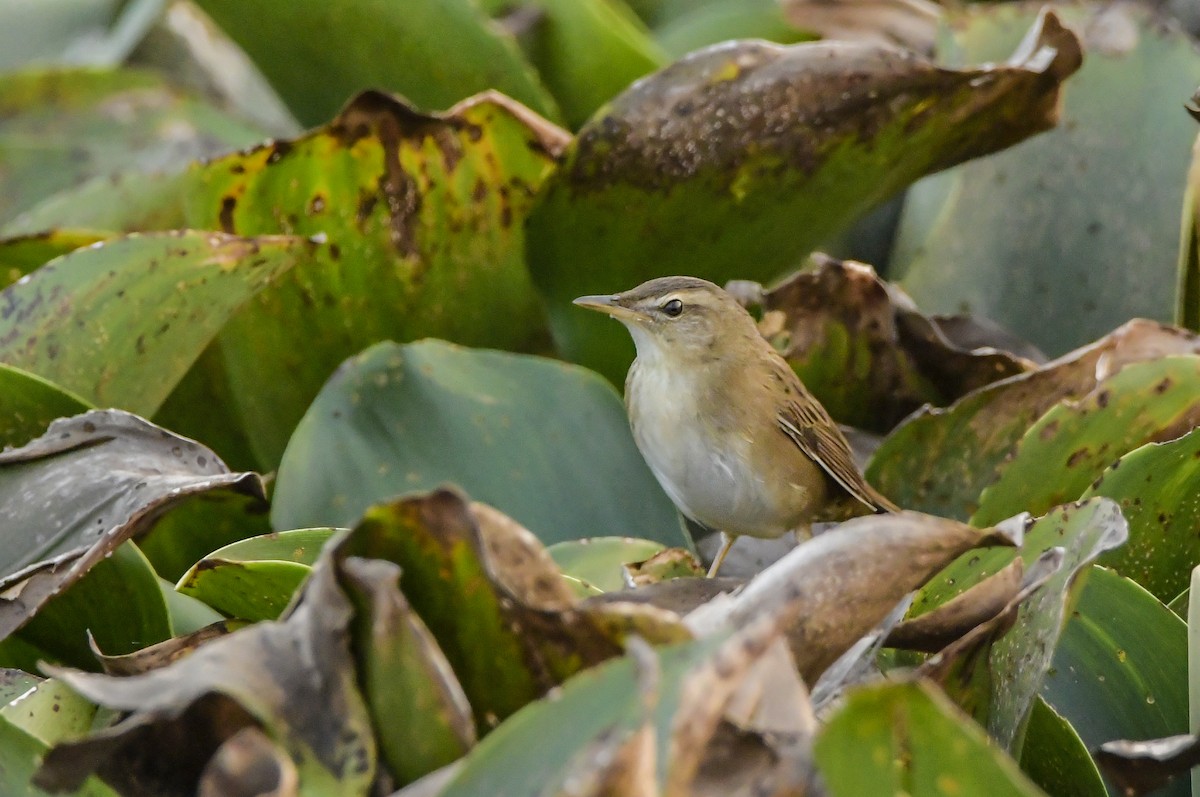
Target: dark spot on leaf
1102,398
1076,456
1049,430
335,252
225,217
278,150
1163,386
316,205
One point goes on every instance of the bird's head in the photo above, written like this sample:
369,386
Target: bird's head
682,319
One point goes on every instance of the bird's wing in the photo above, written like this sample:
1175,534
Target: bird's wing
810,427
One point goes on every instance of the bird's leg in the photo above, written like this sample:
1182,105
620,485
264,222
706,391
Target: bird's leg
727,541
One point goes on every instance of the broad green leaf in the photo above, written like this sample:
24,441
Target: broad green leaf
588,51
50,712
1071,445
1055,758
59,128
29,403
1156,486
423,216
1187,298
907,738
737,160
1120,669
1017,663
1085,253
200,525
939,461
127,202
25,253
544,442
187,614
20,753
70,499
118,602
255,579
317,55
120,323
14,683
250,591
421,715
593,566
1191,615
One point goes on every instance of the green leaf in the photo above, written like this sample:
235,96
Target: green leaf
1056,759
1156,486
421,715
187,614
593,566
907,738
1120,669
1192,618
97,32
25,253
198,526
118,602
1018,661
424,221
29,403
736,160
1085,253
255,579
59,128
939,461
20,753
1070,446
50,712
120,323
316,55
544,442
588,51
125,202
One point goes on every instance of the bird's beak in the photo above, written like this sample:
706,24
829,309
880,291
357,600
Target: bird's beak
609,304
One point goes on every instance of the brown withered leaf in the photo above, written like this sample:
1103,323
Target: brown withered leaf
163,653
830,591
934,630
667,564
1139,767
864,349
91,482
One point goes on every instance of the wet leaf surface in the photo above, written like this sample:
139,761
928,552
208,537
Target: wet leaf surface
546,443
120,323
737,160
1120,670
423,215
317,55
58,128
865,351
295,677
1097,261
833,589
96,480
1156,486
908,738
939,461
1070,446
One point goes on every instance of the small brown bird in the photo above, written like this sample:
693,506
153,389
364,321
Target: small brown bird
729,430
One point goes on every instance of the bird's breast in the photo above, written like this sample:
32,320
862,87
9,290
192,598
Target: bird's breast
699,453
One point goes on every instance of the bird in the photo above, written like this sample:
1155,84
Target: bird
736,440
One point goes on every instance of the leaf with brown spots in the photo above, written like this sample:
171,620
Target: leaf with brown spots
1071,445
738,159
423,215
121,322
863,349
939,461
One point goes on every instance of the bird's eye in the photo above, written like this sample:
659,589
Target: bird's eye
673,308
